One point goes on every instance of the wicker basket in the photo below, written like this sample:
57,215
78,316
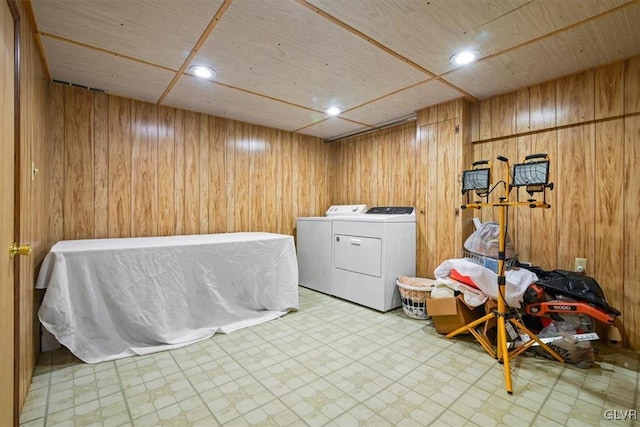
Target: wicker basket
414,300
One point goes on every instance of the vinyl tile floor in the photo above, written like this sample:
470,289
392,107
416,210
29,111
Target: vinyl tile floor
332,363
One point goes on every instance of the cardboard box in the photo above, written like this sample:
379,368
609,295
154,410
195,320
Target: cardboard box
449,314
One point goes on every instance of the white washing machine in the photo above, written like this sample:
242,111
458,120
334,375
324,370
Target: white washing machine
370,251
314,236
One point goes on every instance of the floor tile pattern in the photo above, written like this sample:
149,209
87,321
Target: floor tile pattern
332,363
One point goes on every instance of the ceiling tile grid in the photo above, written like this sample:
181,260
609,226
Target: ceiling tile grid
284,50
204,96
281,63
403,103
608,39
159,32
333,127
113,74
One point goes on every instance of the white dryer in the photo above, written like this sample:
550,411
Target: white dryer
314,236
370,251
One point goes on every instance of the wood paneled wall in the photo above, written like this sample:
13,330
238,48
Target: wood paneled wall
123,168
376,168
414,164
589,125
34,193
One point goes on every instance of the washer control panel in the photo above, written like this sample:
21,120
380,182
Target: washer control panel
391,210
345,210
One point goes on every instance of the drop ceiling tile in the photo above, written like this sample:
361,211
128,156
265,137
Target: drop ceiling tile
568,52
403,103
332,128
118,76
159,32
285,50
191,93
533,20
427,32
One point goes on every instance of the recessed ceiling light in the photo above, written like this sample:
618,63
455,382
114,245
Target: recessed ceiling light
333,111
465,57
202,71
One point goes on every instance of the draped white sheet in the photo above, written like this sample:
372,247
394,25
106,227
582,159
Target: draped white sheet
112,298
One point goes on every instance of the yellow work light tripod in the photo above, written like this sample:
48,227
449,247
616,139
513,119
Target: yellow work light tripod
533,174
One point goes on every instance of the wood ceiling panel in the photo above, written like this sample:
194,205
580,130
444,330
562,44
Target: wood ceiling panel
403,103
159,32
118,76
333,127
535,19
191,93
608,39
283,49
427,32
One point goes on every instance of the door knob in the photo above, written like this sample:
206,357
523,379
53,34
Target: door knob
15,249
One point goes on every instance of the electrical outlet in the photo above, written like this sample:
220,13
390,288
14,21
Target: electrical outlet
581,265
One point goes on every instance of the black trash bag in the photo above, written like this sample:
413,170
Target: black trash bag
573,285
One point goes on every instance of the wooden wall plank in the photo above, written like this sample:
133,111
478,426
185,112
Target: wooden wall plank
203,173
631,252
337,172
368,170
503,115
521,231
609,218
632,86
273,188
432,214
327,171
287,218
447,191
542,104
144,169
179,147
191,172
576,195
242,177
485,119
543,224
56,145
609,91
119,167
385,165
78,194
408,169
522,111
421,203
575,98
218,176
166,172
397,174
447,111
101,164
474,121
257,176
230,169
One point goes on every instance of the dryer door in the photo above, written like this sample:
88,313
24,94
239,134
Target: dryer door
358,254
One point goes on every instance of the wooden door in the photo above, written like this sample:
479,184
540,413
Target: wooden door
7,203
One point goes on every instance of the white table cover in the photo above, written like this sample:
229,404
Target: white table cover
112,298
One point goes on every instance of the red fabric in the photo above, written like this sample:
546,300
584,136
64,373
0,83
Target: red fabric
460,278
